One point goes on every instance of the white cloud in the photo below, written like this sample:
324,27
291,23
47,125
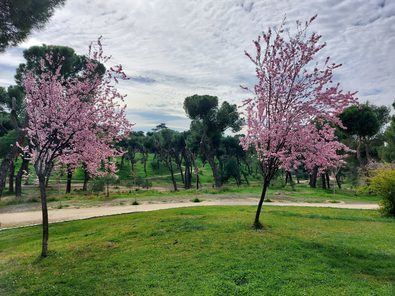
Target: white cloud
178,48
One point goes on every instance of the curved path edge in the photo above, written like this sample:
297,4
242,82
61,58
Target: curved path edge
30,218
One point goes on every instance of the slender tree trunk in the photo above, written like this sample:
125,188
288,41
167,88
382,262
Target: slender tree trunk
44,209
338,181
257,224
68,182
313,178
86,179
323,181
11,176
4,167
18,178
107,189
328,185
172,175
47,179
188,177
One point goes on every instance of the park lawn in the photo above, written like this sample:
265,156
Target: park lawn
206,251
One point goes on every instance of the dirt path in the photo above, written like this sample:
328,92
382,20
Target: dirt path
17,219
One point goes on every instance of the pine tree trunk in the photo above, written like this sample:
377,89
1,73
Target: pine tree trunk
216,175
18,178
172,175
44,209
11,176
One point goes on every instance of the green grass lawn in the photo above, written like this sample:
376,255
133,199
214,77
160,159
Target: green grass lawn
206,251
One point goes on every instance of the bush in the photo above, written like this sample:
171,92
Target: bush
98,185
383,183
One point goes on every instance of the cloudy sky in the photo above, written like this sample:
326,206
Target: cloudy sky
176,48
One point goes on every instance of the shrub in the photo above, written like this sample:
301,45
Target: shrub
383,183
98,184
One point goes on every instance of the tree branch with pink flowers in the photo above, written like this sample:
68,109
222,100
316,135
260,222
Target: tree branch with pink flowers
74,120
292,115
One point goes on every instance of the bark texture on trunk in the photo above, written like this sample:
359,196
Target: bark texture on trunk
215,169
86,179
169,164
44,209
11,176
313,178
68,184
257,224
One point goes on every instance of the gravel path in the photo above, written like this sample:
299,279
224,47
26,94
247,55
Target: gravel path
26,218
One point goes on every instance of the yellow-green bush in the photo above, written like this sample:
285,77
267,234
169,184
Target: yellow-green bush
383,183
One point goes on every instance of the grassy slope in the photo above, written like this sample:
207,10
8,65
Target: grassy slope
206,251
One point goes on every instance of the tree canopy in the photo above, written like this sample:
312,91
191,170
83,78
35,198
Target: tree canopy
19,17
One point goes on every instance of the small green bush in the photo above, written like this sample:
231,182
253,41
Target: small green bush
98,185
383,183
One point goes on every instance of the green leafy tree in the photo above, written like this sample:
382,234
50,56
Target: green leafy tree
388,149
19,17
363,124
209,122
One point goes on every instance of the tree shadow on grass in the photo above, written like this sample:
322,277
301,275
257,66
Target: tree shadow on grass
351,260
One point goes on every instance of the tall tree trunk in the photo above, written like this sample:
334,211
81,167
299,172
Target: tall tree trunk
257,224
44,209
188,176
216,174
179,165
313,178
338,180
4,167
47,179
18,178
11,176
107,188
172,174
68,182
328,185
86,179
323,181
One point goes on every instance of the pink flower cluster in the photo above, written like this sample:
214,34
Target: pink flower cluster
292,116
75,120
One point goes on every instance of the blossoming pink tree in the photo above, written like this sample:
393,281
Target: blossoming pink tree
291,117
73,121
